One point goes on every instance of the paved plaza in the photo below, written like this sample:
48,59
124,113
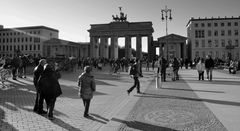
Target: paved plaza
187,104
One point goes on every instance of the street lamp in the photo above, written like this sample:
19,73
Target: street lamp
166,11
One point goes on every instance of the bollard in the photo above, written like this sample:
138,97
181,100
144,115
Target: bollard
158,81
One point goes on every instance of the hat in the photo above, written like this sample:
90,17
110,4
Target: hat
87,69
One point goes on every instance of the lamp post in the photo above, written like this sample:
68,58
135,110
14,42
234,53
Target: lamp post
167,12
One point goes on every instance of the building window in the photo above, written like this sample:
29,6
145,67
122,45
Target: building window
229,23
30,47
26,39
203,43
223,42
38,47
229,42
216,43
236,23
236,32
199,33
216,24
215,33
21,47
196,43
18,39
209,24
7,40
209,43
197,54
22,39
34,47
10,40
196,25
209,33
7,47
236,43
222,32
30,39
222,24
10,47
202,24
26,47
14,40
229,32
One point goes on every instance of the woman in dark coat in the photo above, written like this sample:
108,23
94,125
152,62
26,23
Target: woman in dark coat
50,88
86,84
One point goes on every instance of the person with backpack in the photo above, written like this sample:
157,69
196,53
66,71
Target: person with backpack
135,73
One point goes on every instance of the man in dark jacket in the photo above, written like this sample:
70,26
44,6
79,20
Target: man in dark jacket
209,65
135,74
38,70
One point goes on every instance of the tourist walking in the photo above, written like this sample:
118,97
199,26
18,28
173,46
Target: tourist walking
87,86
163,64
135,73
38,70
50,88
209,65
200,68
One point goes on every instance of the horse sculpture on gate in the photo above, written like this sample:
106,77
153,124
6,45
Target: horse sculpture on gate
122,18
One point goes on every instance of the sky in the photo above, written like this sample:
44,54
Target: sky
73,17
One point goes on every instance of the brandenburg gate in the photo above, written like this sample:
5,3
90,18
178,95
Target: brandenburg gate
120,27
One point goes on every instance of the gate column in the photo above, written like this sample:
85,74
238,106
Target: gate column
139,47
128,47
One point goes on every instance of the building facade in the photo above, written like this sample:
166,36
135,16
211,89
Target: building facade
24,40
62,48
172,46
218,37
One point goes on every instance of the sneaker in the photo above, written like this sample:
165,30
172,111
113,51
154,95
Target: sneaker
128,92
85,115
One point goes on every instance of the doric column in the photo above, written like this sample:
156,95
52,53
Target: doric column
128,47
91,47
151,48
139,47
114,47
95,44
103,47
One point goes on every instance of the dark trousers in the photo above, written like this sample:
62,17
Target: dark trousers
163,74
136,84
14,72
50,105
86,103
38,107
201,75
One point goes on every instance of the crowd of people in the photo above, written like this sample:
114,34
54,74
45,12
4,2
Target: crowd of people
47,72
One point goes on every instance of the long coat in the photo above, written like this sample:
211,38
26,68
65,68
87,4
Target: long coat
86,85
48,84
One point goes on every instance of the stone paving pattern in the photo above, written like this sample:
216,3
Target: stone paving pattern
171,109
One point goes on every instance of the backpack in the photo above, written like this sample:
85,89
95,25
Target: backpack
133,70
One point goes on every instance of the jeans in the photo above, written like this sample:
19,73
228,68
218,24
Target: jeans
209,72
136,84
86,103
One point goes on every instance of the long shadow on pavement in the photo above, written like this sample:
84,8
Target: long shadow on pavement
179,89
142,126
188,98
64,125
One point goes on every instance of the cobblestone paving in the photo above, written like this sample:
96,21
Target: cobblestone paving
174,107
